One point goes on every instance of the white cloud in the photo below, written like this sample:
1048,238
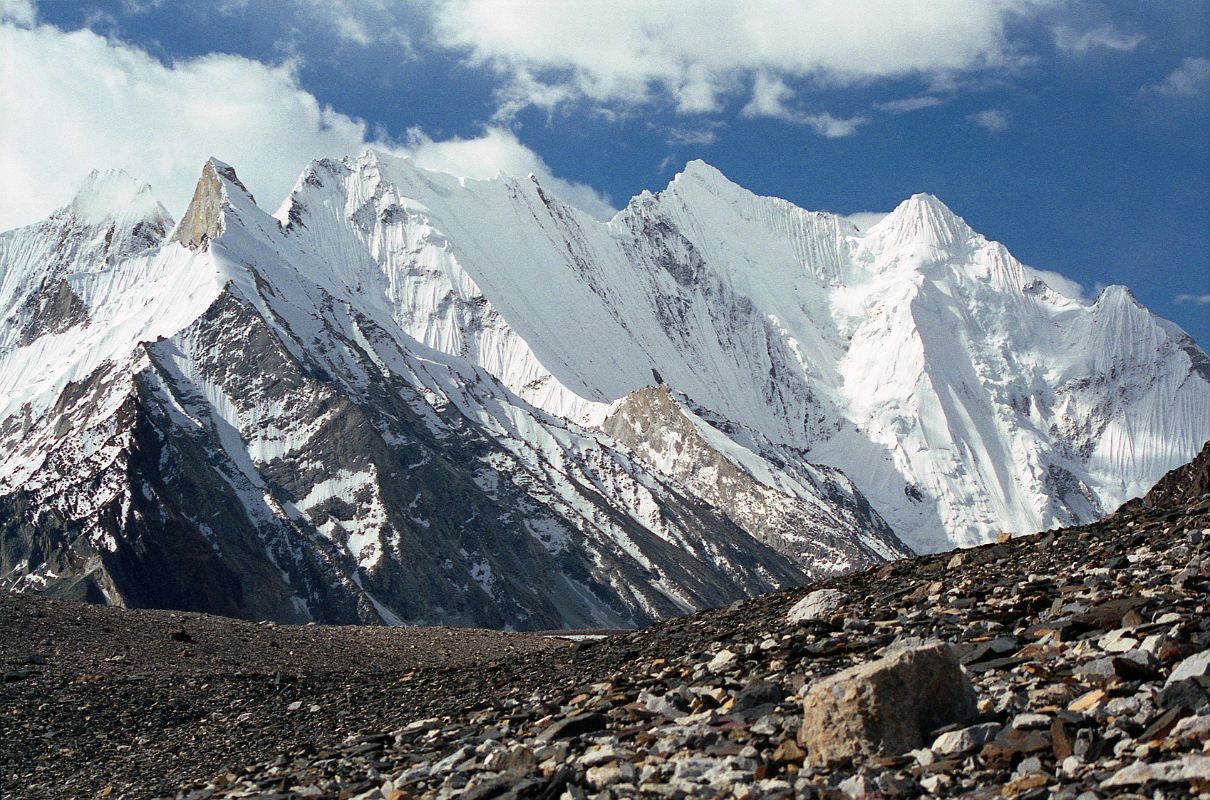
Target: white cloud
103,104
18,12
993,119
692,137
1195,299
1191,78
362,22
498,150
692,56
1078,43
831,127
1066,286
909,104
770,98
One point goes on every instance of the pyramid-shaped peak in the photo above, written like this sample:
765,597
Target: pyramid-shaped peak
698,177
700,171
923,219
224,172
1116,295
203,220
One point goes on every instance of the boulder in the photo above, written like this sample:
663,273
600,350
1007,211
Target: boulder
887,706
820,604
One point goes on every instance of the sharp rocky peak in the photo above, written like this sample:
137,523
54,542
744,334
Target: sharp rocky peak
203,219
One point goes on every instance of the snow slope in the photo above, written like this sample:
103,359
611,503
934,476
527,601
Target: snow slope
960,392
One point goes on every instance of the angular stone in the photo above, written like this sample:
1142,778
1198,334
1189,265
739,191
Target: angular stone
1012,745
887,706
1088,701
1192,728
1195,666
818,605
723,661
1191,693
609,774
573,726
788,752
1188,768
966,739
757,695
1062,738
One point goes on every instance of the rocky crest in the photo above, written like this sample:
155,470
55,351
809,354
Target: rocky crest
203,219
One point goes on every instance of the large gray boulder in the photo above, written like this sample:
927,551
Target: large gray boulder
887,706
818,605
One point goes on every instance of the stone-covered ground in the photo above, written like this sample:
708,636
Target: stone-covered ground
1088,648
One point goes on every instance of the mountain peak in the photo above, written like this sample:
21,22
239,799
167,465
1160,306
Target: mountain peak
923,219
114,194
227,173
699,172
203,219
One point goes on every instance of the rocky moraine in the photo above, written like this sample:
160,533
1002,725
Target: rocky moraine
1071,664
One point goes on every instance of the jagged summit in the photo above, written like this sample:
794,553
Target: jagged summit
203,219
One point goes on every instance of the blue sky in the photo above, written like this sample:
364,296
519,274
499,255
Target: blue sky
1077,133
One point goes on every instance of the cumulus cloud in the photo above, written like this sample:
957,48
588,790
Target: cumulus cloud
1191,78
771,98
993,119
635,52
1106,37
1195,299
99,103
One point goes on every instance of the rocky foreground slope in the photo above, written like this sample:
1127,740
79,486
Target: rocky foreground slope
1087,651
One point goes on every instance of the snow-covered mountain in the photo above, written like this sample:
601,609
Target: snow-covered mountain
960,392
228,415
412,397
